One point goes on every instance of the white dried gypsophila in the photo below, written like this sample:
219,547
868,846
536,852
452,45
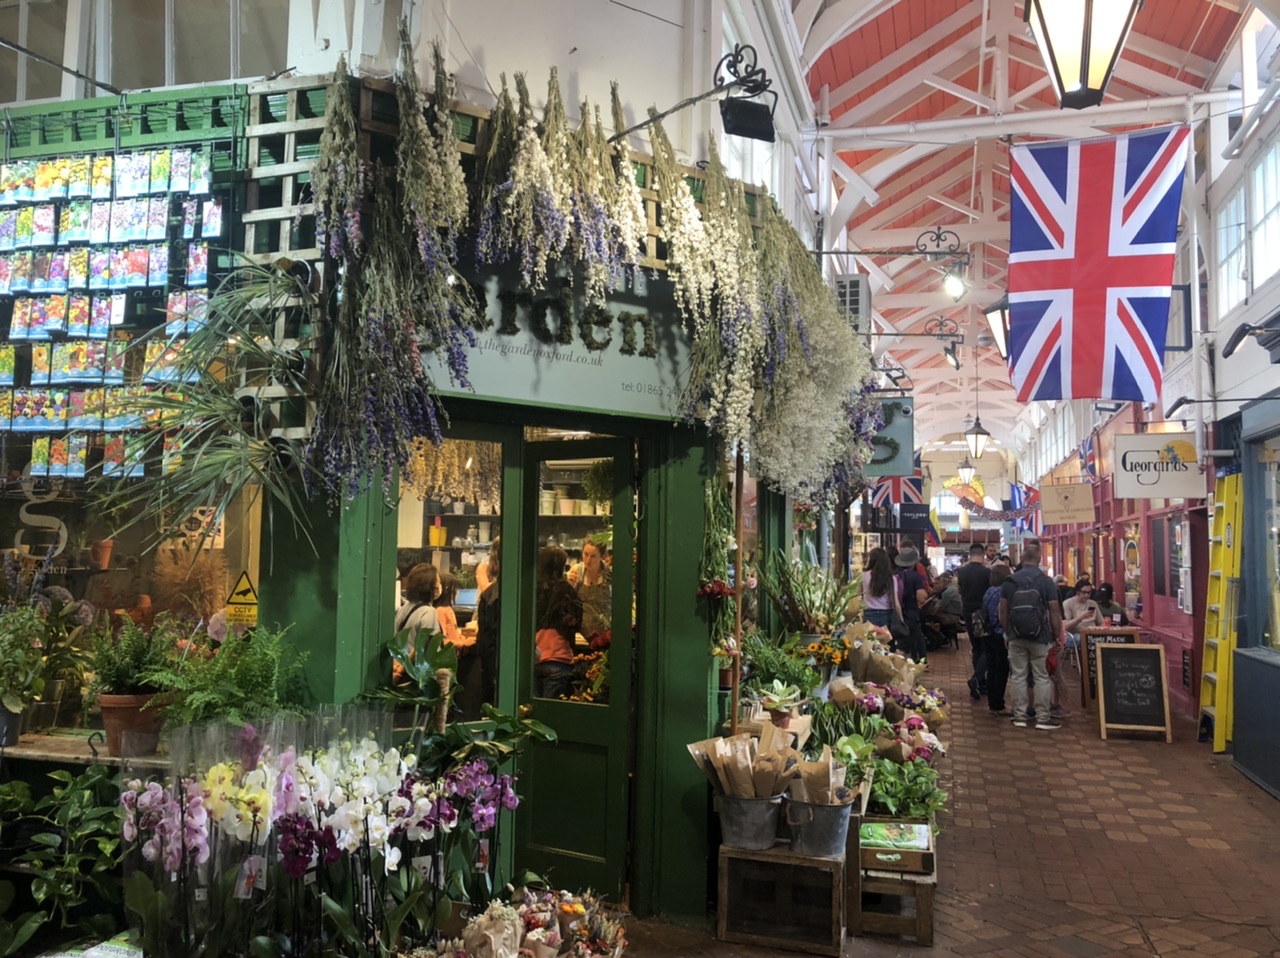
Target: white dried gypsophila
557,144
626,209
538,228
689,256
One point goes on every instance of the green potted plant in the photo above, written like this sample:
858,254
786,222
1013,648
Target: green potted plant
808,599
597,485
69,627
21,667
124,688
778,700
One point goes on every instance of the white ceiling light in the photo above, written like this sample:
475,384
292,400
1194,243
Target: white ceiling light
1080,42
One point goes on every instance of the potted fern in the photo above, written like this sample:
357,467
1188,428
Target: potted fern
123,684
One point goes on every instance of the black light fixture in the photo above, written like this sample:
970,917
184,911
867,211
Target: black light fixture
1245,330
938,244
740,81
1080,41
951,352
1188,401
966,471
975,436
997,316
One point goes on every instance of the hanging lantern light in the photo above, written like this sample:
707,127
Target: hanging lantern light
977,438
1080,41
966,471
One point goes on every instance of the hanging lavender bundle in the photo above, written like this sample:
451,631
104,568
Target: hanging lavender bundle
339,180
494,238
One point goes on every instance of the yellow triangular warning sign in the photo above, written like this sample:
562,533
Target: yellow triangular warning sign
243,593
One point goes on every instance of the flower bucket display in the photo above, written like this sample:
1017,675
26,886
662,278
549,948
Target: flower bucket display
750,823
818,831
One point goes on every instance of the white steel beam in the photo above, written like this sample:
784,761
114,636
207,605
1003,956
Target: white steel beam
956,205
886,97
837,21
960,93
804,14
1167,53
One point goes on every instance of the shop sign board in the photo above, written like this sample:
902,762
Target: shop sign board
242,603
1157,466
895,444
1065,503
630,356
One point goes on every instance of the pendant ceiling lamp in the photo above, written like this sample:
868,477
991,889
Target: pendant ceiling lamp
1080,41
975,436
966,471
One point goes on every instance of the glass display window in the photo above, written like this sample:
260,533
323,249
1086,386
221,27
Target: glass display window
1269,456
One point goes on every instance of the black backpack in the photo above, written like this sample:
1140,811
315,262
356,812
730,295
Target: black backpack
1028,615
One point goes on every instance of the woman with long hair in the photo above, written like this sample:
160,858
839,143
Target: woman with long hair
558,616
488,622
879,597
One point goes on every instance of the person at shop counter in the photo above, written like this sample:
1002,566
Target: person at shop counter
488,622
558,615
417,613
1112,612
591,577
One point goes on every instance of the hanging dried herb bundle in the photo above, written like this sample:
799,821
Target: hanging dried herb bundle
339,180
593,240
493,181
376,398
626,205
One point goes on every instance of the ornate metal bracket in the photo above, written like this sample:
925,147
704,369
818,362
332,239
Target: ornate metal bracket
739,72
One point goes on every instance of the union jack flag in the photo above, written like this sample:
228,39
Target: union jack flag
893,489
1020,497
1088,460
1093,234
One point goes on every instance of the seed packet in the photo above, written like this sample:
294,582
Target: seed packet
80,366
102,177
58,456
78,315
135,449
211,218
7,181
157,218
20,278
137,227
78,173
6,274
24,189
119,302
77,455
26,222
121,213
55,313
8,228
54,413
59,271
100,268
200,172
119,267
59,360
40,271
161,163
59,174
113,455
95,360
171,454
139,261
100,221
180,171
77,417
28,405
189,208
6,408
44,225
197,264
126,182
78,268
113,371
8,360
197,309
158,265
74,227
175,313
153,363
99,317
20,322
39,457
36,319
44,173
41,364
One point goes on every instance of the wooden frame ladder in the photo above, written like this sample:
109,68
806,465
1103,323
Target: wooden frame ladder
1221,604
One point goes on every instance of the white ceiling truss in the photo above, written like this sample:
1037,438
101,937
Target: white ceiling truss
901,169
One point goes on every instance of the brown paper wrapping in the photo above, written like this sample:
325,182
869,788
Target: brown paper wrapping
881,670
842,690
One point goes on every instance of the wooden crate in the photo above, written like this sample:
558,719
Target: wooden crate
895,889
896,860
779,899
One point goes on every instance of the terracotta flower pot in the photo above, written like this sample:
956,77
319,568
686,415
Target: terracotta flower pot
131,730
780,718
100,553
726,678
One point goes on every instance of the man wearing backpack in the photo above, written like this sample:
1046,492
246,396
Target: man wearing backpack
1031,617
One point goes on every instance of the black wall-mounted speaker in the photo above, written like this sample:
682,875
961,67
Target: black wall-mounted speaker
749,118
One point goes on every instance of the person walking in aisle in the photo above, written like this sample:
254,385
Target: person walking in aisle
974,578
997,656
1031,618
879,596
912,594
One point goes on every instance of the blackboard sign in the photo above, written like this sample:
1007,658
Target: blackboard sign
1090,639
1132,690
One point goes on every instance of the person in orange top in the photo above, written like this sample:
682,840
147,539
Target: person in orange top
446,618
558,617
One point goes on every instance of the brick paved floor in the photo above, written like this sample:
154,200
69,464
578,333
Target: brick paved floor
1062,845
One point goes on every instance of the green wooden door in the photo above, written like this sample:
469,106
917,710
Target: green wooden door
572,826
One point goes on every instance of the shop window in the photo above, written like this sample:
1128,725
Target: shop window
1269,455
41,26
1132,562
450,520
1159,581
1231,232
202,41
1266,215
137,44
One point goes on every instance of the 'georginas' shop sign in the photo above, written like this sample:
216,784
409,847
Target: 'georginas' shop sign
1158,466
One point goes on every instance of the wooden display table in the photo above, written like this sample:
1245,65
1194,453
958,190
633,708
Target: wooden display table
779,899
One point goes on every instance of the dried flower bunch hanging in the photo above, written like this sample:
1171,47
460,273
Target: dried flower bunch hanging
494,239
338,179
626,206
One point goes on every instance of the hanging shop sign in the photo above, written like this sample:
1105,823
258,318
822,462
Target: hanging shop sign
1066,503
895,443
630,356
1157,466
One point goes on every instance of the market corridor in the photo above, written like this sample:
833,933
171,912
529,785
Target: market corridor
1062,845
